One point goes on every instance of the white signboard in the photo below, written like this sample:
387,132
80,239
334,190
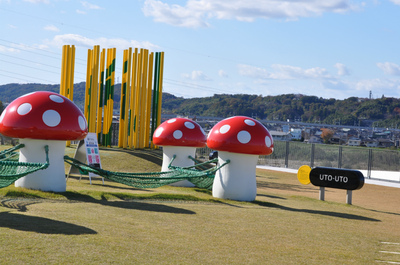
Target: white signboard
92,152
90,147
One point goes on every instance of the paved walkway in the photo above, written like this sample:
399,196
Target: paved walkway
383,178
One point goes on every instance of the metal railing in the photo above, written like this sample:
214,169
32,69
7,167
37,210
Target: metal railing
292,154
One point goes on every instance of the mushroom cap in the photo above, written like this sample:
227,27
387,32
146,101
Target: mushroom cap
179,132
43,115
240,134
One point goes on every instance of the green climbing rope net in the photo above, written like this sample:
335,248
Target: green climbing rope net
10,171
200,174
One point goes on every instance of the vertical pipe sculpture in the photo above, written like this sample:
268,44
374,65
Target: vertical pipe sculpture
122,107
100,97
132,101
155,98
67,74
148,104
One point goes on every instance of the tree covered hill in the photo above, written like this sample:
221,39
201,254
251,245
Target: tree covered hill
294,107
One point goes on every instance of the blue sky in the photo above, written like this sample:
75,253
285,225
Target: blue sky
330,49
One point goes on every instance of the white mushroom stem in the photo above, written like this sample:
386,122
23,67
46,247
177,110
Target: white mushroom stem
182,159
50,179
236,180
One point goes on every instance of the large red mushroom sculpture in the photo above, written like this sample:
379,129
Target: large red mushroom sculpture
38,119
179,138
241,140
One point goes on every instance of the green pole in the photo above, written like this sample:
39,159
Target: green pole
155,95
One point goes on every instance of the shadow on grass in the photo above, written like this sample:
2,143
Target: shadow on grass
19,205
284,186
128,204
154,156
271,196
327,213
41,225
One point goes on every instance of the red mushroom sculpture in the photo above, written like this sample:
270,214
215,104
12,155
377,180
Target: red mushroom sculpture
241,140
179,137
43,118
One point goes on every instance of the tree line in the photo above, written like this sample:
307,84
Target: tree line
381,112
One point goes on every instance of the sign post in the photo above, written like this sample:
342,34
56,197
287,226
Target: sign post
336,178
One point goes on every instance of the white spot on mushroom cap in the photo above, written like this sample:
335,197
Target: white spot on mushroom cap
82,123
249,122
244,137
268,141
177,134
224,128
189,125
158,131
56,98
51,118
171,121
2,115
24,109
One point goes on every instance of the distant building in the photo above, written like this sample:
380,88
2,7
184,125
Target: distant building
296,134
371,143
385,143
315,140
280,136
354,142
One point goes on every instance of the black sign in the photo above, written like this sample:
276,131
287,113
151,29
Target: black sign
337,178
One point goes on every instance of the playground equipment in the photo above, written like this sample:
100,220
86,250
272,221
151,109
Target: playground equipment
200,174
42,119
140,106
241,140
179,138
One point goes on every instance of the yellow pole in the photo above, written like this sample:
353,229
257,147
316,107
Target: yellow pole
148,106
94,89
132,101
63,69
127,99
143,99
87,86
72,71
137,99
121,131
100,95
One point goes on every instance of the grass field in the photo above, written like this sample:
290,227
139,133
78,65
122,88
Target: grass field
117,224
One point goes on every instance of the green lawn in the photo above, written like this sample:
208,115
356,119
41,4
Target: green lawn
117,224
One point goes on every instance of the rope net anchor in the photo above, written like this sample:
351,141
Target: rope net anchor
10,170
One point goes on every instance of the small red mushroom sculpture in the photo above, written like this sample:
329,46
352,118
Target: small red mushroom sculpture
241,140
179,137
38,119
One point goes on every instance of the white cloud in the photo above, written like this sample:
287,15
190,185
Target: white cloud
89,5
389,68
379,86
396,2
222,73
342,69
51,28
8,49
196,12
80,12
197,76
283,72
78,40
38,1
254,72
